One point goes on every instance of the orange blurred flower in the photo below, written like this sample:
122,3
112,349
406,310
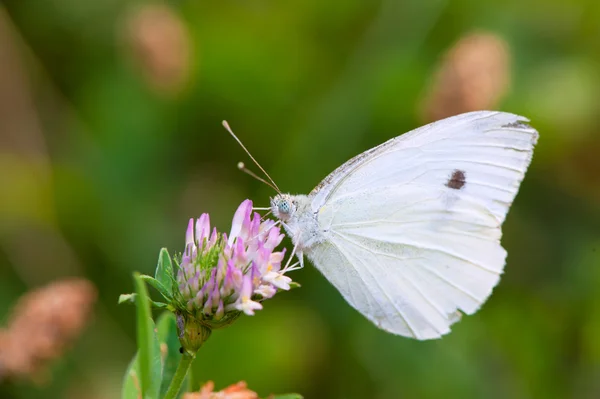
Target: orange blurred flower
160,45
235,391
44,323
474,75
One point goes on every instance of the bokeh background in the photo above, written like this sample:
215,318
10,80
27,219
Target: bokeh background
110,140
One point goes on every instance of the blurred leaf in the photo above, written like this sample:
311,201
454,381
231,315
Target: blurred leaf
169,344
148,347
131,382
131,298
286,396
166,293
164,271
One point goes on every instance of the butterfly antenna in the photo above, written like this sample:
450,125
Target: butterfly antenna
243,168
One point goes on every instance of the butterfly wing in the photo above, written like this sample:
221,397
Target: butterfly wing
413,226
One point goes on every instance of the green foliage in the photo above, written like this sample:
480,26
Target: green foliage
166,327
210,260
164,291
148,355
131,299
131,382
159,362
164,274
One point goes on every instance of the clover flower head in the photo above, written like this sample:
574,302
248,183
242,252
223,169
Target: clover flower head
221,276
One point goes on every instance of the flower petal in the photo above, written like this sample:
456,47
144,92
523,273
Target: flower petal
213,237
261,259
202,229
248,306
241,216
276,258
278,280
266,291
247,286
274,238
240,258
220,311
189,234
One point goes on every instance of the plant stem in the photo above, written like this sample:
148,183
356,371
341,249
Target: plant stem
194,379
180,373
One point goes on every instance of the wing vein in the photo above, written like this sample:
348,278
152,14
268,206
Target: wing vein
400,312
433,248
427,267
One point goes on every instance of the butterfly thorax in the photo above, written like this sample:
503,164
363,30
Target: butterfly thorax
298,219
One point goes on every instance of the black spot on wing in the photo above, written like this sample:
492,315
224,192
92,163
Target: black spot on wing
457,180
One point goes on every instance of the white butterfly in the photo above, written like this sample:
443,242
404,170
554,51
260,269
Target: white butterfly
409,231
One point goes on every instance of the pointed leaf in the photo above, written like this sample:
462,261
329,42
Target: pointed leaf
130,298
169,346
164,270
164,291
148,348
159,305
131,383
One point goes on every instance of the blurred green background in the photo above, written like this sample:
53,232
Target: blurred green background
110,140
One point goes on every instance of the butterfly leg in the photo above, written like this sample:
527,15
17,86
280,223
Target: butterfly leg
297,265
300,256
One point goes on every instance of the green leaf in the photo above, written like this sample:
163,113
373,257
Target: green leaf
159,305
148,348
164,270
131,382
130,298
164,291
287,396
169,344
294,284
127,298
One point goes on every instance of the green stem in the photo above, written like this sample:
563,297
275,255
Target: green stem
180,373
194,379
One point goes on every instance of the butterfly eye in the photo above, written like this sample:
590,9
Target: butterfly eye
284,207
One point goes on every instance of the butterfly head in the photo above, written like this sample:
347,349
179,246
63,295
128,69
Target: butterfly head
283,206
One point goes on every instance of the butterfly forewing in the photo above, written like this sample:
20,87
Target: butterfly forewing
414,225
